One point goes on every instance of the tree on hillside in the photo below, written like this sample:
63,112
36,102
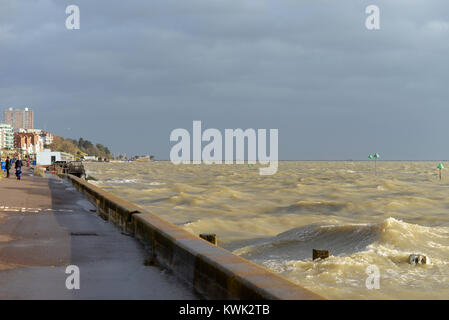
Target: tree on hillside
80,147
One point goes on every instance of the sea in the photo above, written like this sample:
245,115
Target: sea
371,216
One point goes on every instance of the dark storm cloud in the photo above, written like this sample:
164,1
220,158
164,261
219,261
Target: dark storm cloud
138,69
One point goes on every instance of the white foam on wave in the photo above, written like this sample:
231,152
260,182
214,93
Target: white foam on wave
155,183
120,181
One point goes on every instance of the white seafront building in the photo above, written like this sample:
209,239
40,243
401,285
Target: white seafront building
6,136
47,157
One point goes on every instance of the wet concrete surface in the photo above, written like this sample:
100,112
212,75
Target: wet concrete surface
46,225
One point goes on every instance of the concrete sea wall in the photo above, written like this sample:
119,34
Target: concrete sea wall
214,272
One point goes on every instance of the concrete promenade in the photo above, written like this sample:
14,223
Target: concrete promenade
46,225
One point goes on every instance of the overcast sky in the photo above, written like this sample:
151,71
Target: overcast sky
136,70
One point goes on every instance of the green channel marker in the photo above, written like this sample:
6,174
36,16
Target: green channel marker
440,166
375,156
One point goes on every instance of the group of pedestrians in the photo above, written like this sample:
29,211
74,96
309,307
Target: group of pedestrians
17,165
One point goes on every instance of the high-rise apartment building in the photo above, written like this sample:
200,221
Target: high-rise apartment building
19,118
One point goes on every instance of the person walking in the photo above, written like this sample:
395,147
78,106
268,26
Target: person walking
7,166
18,166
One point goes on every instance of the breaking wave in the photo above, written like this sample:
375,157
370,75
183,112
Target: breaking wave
397,237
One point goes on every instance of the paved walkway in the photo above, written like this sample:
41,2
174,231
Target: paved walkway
46,225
